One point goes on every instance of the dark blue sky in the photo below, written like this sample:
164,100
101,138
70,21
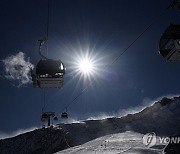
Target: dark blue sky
107,27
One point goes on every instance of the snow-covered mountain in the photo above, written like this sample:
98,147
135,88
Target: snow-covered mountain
111,135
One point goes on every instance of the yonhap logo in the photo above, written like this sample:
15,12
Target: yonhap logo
149,139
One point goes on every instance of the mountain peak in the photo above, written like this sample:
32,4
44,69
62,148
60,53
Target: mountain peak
162,118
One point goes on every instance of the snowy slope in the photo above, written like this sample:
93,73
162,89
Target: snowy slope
162,118
127,142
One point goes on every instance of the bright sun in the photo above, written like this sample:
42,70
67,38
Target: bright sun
85,66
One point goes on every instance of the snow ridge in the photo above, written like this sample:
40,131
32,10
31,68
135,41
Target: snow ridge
162,118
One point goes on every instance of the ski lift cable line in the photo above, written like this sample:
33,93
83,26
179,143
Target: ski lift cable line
141,34
47,34
155,20
44,101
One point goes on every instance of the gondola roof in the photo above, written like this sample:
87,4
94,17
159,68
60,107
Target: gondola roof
173,31
49,63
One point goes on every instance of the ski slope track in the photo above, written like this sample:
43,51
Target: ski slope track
111,135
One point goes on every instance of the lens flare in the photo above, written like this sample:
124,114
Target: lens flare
85,63
85,66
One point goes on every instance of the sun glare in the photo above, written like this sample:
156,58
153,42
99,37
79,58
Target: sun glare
85,66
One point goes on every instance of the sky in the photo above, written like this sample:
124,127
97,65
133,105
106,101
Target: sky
101,29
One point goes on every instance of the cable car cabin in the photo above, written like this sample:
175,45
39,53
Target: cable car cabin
49,74
55,118
46,115
64,115
169,44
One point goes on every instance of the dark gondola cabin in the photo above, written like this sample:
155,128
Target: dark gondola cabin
64,115
50,73
169,44
55,118
44,117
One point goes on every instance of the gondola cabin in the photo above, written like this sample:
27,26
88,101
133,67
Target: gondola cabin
64,115
49,74
44,117
169,44
55,118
